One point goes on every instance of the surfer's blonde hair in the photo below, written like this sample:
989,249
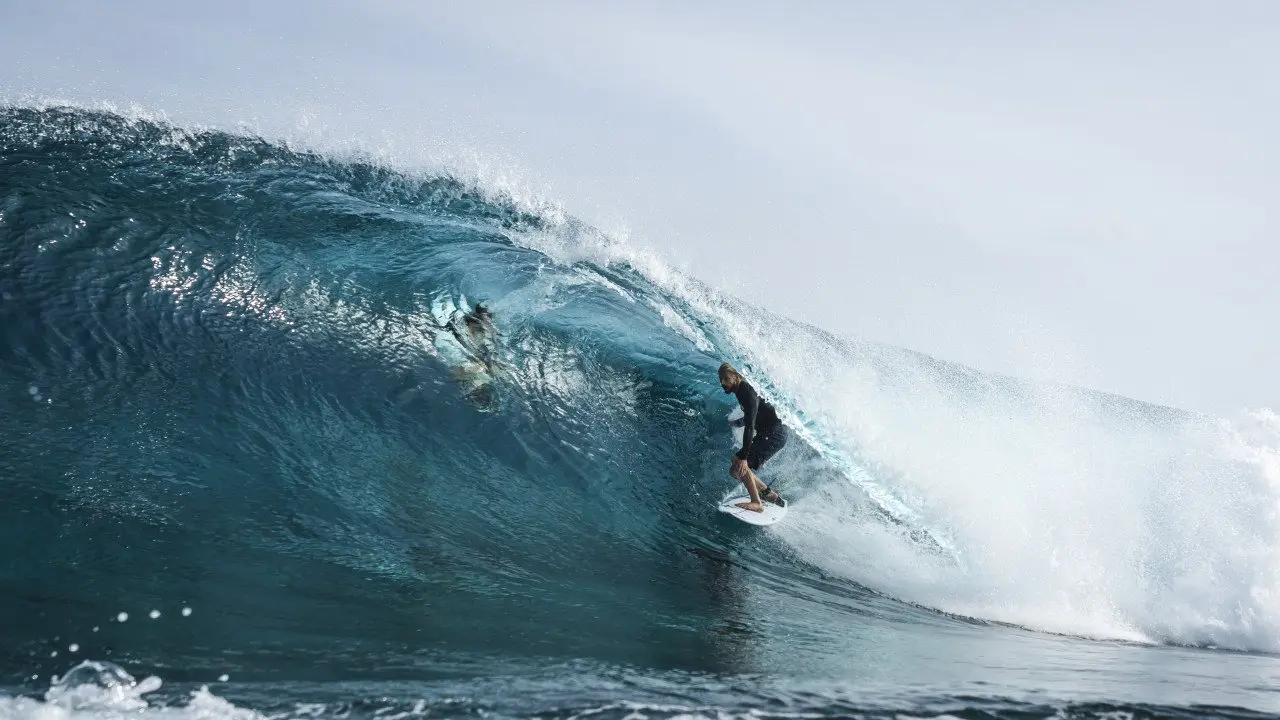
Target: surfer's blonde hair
727,371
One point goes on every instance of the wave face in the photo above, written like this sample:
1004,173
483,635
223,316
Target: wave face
229,402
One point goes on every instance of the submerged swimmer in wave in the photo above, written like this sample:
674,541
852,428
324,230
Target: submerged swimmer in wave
763,435
474,357
475,333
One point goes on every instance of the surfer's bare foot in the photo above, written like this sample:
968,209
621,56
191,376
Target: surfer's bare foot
752,506
772,496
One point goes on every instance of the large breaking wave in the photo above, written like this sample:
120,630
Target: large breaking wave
225,384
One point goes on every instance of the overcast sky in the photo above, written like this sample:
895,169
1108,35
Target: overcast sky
1084,192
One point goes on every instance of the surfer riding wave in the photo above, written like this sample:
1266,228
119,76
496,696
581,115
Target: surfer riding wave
763,435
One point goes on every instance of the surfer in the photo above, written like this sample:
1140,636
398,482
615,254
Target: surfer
475,334
473,355
763,435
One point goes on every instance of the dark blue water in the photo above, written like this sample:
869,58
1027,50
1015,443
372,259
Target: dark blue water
231,412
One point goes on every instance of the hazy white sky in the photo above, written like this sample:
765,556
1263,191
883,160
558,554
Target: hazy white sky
1083,191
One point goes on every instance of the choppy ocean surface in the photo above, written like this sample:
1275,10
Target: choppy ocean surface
246,473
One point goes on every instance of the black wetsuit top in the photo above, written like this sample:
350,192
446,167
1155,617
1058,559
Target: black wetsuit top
758,416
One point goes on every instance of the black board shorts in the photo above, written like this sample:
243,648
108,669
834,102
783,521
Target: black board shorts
765,446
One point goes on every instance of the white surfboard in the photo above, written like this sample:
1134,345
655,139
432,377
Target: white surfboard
770,515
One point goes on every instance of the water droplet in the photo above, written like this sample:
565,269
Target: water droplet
186,612
37,397
95,628
223,678
155,614
33,390
35,677
74,647
122,617
53,654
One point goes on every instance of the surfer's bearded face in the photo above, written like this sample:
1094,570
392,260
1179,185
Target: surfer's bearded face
729,378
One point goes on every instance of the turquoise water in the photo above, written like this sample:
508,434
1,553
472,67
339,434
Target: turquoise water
228,403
